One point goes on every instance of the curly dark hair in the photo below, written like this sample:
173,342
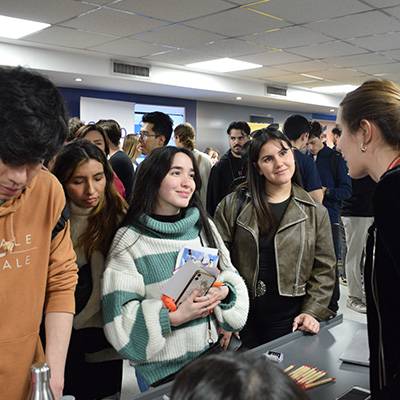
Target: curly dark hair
33,117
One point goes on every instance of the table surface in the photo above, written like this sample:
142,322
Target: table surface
321,351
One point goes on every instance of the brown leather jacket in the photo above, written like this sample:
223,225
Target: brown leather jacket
305,257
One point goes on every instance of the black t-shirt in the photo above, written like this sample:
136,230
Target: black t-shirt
169,218
276,309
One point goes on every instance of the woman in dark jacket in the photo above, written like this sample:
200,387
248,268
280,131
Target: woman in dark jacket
280,241
370,121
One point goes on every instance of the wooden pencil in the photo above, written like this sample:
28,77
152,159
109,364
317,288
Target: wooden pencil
312,385
289,368
298,371
307,375
319,375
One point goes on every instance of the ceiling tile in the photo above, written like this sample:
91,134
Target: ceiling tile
128,47
383,3
392,68
291,79
272,58
68,37
392,77
303,11
318,51
395,54
48,11
229,48
395,11
338,74
99,2
304,66
180,57
173,10
237,22
178,36
358,60
352,26
261,73
287,37
385,41
114,22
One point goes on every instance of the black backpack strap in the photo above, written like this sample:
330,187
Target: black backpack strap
60,225
334,164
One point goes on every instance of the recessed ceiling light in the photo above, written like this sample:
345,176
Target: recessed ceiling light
238,98
16,28
332,110
224,65
78,79
338,89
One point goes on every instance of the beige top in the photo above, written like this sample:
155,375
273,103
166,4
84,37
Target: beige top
205,164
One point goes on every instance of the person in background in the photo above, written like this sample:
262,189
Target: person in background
74,124
280,241
119,160
234,376
297,128
155,132
336,186
356,214
131,148
96,135
213,154
165,216
38,272
184,137
369,118
93,367
229,167
336,132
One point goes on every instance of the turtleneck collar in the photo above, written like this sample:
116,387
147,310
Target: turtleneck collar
152,227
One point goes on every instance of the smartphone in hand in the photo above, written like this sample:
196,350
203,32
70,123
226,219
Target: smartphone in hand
199,278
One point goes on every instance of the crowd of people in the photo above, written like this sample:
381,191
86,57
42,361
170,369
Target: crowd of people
90,237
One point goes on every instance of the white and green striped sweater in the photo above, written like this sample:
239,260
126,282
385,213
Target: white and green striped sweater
136,320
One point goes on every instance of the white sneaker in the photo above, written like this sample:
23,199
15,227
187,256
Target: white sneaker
356,305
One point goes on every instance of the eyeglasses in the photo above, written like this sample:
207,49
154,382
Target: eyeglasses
144,135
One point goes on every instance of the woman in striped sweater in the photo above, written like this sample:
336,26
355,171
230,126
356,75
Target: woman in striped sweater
166,215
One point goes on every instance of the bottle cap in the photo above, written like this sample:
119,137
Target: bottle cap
40,372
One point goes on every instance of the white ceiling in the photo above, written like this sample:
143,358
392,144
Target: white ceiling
338,41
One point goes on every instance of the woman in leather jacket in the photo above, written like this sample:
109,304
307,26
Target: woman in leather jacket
370,121
280,241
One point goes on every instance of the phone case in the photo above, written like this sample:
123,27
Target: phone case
199,278
355,393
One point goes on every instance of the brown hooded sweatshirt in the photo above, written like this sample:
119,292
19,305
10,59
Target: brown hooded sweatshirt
37,275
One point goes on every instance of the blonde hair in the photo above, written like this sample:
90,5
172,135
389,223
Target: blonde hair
375,101
130,146
185,133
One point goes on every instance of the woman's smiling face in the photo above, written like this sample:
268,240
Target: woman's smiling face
177,187
276,163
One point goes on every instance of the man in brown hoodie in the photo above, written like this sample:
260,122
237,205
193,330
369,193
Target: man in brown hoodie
37,269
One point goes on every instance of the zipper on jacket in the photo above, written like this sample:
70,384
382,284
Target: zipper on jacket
381,355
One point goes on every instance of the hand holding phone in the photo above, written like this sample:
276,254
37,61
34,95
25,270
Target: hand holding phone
199,278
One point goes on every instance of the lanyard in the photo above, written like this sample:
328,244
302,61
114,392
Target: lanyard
395,162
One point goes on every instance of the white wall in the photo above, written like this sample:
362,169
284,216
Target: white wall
213,120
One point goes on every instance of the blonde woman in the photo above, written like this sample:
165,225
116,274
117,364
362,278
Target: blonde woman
184,137
131,148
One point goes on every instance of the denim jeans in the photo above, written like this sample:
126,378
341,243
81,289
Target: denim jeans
142,383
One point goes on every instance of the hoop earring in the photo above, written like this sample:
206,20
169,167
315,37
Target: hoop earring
363,148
